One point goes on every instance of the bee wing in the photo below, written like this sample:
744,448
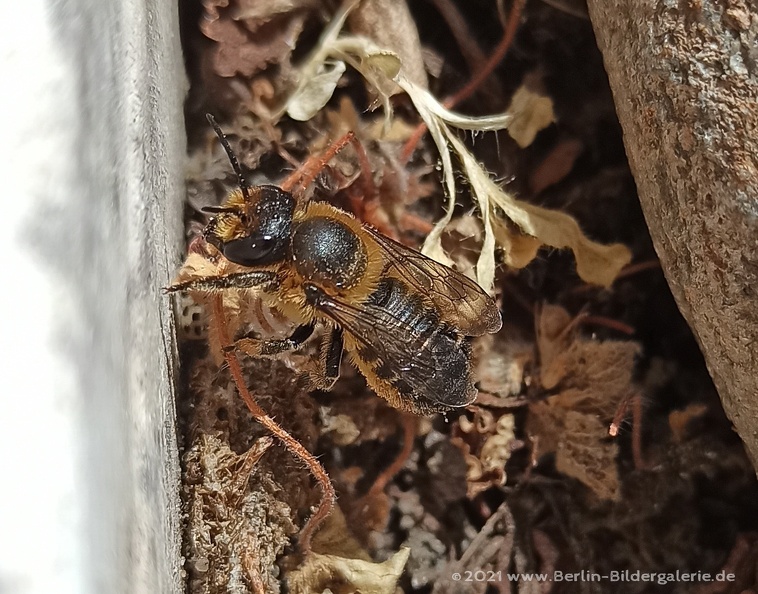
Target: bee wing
429,374
460,301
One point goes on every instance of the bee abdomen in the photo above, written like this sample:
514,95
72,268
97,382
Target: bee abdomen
432,368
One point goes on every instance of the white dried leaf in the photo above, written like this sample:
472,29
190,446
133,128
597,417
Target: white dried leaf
320,572
595,263
532,112
311,97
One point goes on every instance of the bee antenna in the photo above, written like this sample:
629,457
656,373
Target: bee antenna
229,153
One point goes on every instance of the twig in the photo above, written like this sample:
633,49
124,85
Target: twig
409,434
470,50
635,400
497,55
609,323
326,505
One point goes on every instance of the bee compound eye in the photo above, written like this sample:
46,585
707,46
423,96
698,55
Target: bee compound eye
250,251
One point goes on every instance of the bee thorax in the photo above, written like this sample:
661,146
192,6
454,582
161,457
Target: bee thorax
327,252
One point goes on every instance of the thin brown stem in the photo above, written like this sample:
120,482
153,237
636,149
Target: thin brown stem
295,447
409,434
639,461
470,50
299,180
497,56
609,323
619,416
635,400
476,81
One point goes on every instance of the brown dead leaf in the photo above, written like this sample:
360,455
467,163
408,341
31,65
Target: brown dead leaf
679,420
591,378
518,249
487,443
247,44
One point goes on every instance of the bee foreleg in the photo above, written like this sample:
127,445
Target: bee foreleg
270,348
328,370
263,279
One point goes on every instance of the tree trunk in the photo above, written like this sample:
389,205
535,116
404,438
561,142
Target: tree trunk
685,81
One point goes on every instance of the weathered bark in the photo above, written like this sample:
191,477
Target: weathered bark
685,81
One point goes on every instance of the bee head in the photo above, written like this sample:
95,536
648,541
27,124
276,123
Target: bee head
252,228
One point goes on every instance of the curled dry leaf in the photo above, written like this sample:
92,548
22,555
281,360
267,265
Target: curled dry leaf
320,573
309,99
595,263
518,249
487,442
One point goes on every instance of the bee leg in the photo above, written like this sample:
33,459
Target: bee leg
264,279
270,348
328,370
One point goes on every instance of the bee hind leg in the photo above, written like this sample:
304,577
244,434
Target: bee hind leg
270,348
328,370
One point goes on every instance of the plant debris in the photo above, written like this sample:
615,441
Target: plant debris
597,442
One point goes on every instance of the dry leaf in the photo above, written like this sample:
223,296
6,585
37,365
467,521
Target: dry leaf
487,443
591,379
246,46
587,456
347,576
679,420
311,97
518,249
596,263
389,24
531,112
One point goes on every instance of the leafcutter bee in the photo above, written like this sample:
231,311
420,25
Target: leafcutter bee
402,318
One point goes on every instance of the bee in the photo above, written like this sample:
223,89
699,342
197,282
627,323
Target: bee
402,318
